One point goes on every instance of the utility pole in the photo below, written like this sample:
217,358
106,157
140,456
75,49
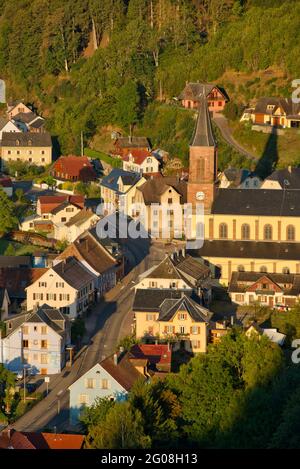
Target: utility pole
81,138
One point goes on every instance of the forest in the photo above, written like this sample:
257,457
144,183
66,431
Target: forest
85,64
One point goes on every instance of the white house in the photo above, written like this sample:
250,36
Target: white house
141,162
112,378
37,339
7,126
68,286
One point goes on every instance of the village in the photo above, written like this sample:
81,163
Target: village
86,317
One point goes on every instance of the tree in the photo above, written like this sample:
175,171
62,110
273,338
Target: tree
8,220
19,194
127,105
10,250
121,428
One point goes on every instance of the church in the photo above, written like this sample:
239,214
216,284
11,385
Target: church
252,230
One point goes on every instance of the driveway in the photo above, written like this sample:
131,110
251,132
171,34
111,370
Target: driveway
222,123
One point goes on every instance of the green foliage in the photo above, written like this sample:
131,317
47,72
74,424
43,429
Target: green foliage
10,250
127,342
287,322
22,168
114,162
8,220
232,111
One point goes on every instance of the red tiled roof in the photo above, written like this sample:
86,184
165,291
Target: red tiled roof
16,279
69,167
139,155
5,182
159,353
51,202
31,440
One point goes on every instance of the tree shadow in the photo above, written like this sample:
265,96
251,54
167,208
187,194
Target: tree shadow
269,158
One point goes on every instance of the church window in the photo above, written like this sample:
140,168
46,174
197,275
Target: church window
290,233
245,231
223,231
285,270
268,232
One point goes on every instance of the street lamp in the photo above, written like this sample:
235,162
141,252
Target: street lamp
25,367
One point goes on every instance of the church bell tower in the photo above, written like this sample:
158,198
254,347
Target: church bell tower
203,160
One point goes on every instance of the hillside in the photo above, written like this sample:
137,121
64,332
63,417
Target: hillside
87,64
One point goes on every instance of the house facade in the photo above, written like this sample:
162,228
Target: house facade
190,96
280,290
141,162
88,250
7,126
239,179
28,147
16,107
112,378
37,339
170,315
68,286
275,112
73,168
75,226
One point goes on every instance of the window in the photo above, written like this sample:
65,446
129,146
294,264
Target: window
50,296
195,330
18,152
195,344
64,297
43,160
268,232
42,152
25,330
65,310
245,231
9,152
104,384
42,284
263,269
63,219
25,343
223,231
170,201
70,209
90,383
290,233
30,160
30,153
60,284
182,329
38,296
241,268
239,298
83,399
43,343
153,284
150,317
286,270
44,358
44,330
35,328
182,316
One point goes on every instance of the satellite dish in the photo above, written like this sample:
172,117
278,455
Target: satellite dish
200,195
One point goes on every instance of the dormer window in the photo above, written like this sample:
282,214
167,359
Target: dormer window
18,142
30,142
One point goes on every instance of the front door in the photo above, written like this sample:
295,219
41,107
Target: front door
271,302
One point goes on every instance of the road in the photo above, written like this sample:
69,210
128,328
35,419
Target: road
224,128
107,323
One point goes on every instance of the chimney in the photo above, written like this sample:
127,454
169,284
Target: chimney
290,169
115,359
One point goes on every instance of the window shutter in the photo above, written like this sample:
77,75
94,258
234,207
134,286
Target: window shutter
191,329
173,329
199,330
166,329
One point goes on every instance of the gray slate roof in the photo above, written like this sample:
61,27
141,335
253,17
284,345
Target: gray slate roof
267,202
111,180
11,139
73,273
203,134
287,178
248,250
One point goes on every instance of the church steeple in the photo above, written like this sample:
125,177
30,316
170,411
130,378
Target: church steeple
203,133
203,159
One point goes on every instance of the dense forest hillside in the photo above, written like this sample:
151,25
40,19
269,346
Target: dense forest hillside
89,63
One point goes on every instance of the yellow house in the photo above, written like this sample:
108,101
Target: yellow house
32,148
172,315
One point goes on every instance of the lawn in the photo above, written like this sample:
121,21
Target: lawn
20,249
281,150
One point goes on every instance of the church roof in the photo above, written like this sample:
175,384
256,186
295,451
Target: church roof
203,134
260,202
